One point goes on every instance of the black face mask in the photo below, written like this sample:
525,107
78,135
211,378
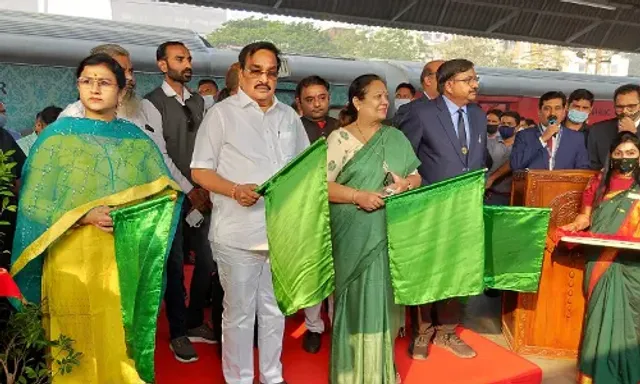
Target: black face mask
625,165
491,129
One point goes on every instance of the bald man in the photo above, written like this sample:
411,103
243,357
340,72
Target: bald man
429,91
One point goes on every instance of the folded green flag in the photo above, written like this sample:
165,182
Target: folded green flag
297,210
444,243
143,235
515,241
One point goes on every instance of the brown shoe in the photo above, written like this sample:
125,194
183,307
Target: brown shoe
419,347
454,344
311,342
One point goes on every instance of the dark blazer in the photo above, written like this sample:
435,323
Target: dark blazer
313,129
601,136
528,152
429,128
403,111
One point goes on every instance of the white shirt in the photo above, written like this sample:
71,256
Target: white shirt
154,119
245,145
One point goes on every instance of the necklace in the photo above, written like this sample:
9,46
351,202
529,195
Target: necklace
385,166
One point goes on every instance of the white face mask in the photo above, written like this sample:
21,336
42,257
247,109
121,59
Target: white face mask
400,102
208,101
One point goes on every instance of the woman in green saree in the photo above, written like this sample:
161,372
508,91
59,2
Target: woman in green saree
365,161
610,349
96,216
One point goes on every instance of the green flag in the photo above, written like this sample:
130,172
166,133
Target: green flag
515,241
297,210
444,243
143,234
436,240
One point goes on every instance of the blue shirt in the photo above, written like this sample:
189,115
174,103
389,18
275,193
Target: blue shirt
453,110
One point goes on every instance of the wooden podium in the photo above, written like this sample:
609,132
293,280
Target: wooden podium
549,322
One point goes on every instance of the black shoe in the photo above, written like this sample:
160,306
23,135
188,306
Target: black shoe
202,334
311,342
454,344
183,350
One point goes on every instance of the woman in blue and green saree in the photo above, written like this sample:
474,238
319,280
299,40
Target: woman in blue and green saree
610,348
96,217
365,162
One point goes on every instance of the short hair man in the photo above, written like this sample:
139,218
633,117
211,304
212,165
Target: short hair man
313,97
242,143
626,100
449,135
174,115
551,145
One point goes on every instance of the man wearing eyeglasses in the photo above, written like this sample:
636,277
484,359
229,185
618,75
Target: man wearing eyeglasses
242,143
449,136
626,101
174,115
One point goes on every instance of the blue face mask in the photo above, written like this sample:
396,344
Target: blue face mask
578,117
3,120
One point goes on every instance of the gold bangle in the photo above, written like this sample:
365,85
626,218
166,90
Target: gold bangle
353,197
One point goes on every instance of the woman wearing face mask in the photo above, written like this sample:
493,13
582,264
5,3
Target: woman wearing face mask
610,348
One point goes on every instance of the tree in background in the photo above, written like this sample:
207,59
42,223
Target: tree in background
306,39
295,38
483,52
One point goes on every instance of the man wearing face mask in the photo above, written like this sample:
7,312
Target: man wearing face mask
551,146
208,89
626,101
174,116
498,186
580,107
405,93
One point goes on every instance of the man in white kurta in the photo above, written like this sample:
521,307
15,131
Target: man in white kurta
242,142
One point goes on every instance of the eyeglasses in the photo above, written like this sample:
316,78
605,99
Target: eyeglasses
85,82
469,80
256,73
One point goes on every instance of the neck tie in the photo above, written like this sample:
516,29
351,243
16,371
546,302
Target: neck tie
462,133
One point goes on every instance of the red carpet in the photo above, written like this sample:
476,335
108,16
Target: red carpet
493,364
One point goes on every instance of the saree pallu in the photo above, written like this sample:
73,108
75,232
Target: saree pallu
366,319
101,290
610,349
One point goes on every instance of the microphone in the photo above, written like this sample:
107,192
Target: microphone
552,120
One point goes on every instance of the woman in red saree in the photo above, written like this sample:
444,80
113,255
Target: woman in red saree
610,349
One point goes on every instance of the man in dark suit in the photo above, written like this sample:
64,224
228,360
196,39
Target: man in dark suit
429,92
449,136
627,107
550,145
313,99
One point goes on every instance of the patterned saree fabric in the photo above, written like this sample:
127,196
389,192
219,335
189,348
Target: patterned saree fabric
94,286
